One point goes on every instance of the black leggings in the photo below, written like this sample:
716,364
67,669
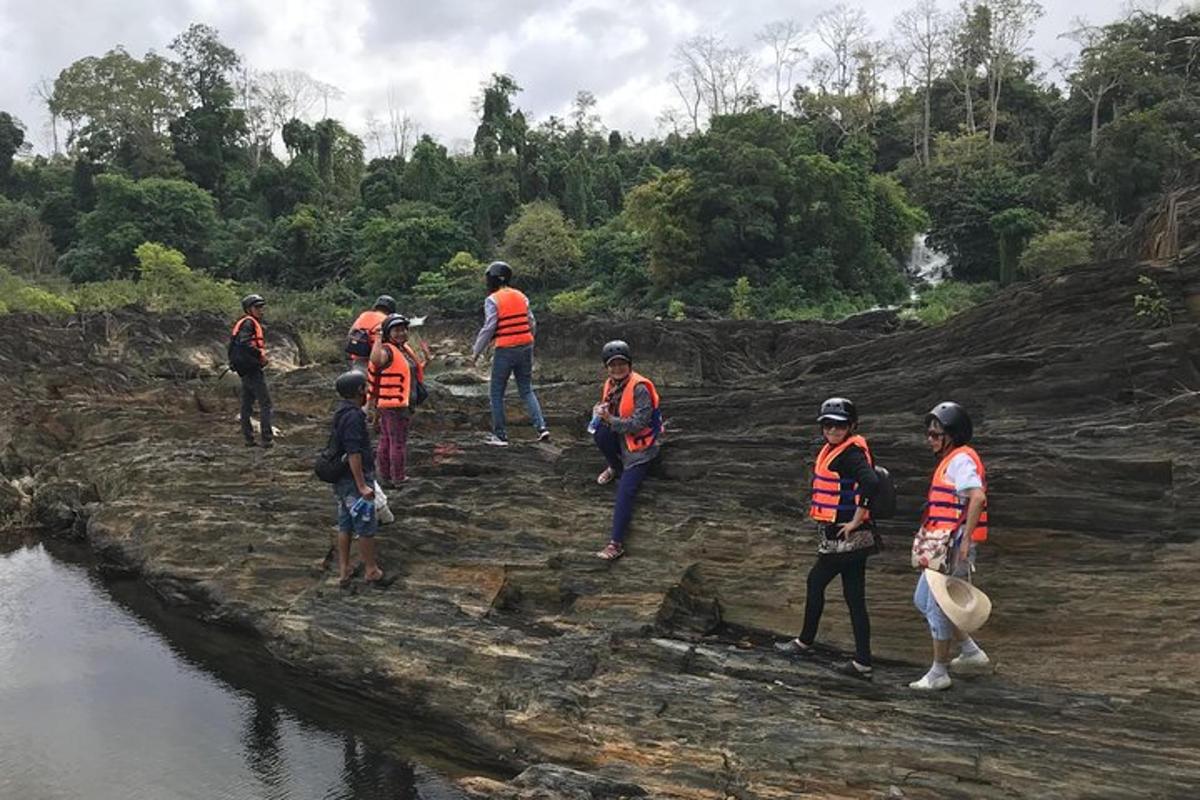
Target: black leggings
853,569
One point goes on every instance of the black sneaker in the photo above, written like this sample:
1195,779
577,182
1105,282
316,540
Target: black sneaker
251,443
544,435
268,444
854,670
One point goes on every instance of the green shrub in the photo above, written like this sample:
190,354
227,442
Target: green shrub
106,295
939,303
21,296
677,310
575,303
457,285
740,297
169,285
1055,250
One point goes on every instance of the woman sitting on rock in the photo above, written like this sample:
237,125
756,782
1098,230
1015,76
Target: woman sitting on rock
955,520
626,424
844,483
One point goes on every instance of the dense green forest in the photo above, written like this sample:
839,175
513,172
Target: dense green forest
766,197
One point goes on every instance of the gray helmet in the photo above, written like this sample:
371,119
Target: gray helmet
391,322
385,302
616,349
251,300
837,409
500,271
349,384
954,421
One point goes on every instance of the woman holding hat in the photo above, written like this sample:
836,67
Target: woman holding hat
627,424
844,483
954,522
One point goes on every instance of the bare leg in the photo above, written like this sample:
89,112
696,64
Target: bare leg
366,546
343,556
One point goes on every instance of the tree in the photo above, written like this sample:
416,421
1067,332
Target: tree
664,210
1011,27
719,77
1108,57
783,39
176,213
1055,250
542,246
966,49
842,30
1014,227
921,32
12,138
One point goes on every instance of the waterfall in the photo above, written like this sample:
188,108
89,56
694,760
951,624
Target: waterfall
926,263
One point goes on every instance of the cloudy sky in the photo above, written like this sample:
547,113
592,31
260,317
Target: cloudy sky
432,55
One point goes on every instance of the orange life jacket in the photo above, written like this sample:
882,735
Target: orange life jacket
829,489
944,509
368,321
391,386
257,341
647,436
512,318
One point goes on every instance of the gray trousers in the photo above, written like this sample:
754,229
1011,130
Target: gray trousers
254,387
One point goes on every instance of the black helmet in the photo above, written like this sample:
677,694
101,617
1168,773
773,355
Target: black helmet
838,409
385,302
391,322
498,274
349,384
616,349
954,421
251,300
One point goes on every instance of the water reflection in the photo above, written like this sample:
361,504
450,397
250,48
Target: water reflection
95,703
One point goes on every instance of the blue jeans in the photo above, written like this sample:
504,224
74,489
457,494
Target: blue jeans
940,625
630,480
516,361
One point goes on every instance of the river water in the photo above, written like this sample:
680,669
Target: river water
96,702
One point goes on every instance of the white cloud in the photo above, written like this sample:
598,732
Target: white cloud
432,55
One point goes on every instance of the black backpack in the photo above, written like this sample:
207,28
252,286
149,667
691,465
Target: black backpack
242,359
359,343
330,464
883,505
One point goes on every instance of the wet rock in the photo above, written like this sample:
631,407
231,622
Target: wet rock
570,784
60,505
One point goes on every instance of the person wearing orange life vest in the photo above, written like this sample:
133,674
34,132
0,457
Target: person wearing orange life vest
248,358
509,325
394,373
364,332
628,423
844,484
955,520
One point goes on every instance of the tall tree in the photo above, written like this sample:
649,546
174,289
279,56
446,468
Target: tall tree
921,31
782,38
721,76
843,30
1011,28
12,138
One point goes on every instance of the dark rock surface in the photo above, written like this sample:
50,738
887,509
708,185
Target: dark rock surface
654,674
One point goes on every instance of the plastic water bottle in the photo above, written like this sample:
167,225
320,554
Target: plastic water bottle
363,509
594,425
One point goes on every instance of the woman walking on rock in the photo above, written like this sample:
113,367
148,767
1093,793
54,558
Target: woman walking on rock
955,520
844,483
626,424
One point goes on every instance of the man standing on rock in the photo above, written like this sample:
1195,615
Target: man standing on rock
364,333
508,323
248,357
955,520
627,423
355,491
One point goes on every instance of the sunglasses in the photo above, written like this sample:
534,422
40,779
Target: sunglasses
931,434
828,423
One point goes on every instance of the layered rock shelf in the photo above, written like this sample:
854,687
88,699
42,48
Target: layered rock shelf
549,673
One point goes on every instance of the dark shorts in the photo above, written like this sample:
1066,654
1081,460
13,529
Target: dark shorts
354,525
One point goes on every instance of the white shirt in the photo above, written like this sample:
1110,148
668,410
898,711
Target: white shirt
961,470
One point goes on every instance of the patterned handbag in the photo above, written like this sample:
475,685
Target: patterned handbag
932,549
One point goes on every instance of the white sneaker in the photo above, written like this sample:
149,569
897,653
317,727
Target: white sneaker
496,441
976,662
928,684
544,435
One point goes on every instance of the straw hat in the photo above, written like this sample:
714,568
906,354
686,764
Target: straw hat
966,606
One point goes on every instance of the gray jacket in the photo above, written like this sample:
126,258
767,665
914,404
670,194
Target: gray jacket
488,332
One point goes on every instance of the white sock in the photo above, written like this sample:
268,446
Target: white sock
938,670
969,647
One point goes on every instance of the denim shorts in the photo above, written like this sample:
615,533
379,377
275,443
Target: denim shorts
354,525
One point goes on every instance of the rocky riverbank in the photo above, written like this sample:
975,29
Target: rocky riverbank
653,675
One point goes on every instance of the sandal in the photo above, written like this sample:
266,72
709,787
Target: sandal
606,476
611,552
